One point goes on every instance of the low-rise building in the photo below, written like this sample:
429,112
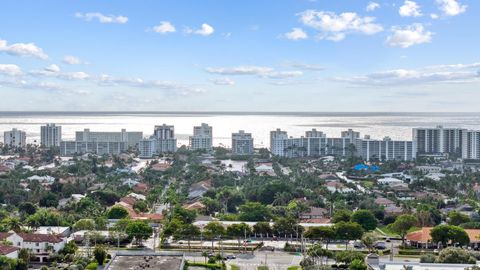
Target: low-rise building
40,245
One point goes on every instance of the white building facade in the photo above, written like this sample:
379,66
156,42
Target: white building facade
50,135
202,137
242,143
15,138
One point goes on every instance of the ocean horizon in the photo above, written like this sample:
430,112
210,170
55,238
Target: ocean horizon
396,125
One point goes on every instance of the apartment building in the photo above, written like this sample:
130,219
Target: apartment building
242,143
15,138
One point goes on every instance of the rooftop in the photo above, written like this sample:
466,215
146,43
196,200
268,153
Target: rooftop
145,262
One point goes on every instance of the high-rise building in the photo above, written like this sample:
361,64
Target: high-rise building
350,134
471,144
278,141
162,141
100,142
438,140
15,138
242,143
385,149
50,135
202,138
131,138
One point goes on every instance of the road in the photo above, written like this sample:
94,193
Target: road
277,260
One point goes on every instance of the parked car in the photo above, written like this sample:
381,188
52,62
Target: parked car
358,244
380,245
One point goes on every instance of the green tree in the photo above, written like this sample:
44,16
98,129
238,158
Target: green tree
455,255
262,228
347,257
457,218
357,265
138,230
84,224
348,231
214,229
49,200
449,234
341,215
369,239
140,206
323,233
238,231
254,211
187,231
117,212
402,225
365,218
100,254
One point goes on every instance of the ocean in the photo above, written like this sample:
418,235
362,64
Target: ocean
377,125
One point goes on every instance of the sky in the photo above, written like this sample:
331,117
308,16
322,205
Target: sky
248,55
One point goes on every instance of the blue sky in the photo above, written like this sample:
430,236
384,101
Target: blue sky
249,55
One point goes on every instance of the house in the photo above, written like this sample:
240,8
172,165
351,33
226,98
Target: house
436,176
130,182
9,251
5,169
384,202
61,231
265,168
429,169
337,187
422,238
389,181
160,167
128,202
40,245
393,210
74,198
140,188
197,205
198,189
48,180
314,213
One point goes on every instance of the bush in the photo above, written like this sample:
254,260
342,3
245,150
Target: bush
92,266
455,255
428,258
357,265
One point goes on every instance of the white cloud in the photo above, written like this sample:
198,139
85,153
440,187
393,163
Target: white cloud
410,9
451,7
262,72
23,84
409,36
22,49
102,18
458,73
52,68
304,66
240,70
335,27
223,81
164,27
176,88
205,30
10,69
72,60
372,6
282,74
55,71
433,16
296,34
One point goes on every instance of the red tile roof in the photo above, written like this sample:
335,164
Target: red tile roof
5,250
423,235
37,237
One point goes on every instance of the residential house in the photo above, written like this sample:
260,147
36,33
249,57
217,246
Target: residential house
40,245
